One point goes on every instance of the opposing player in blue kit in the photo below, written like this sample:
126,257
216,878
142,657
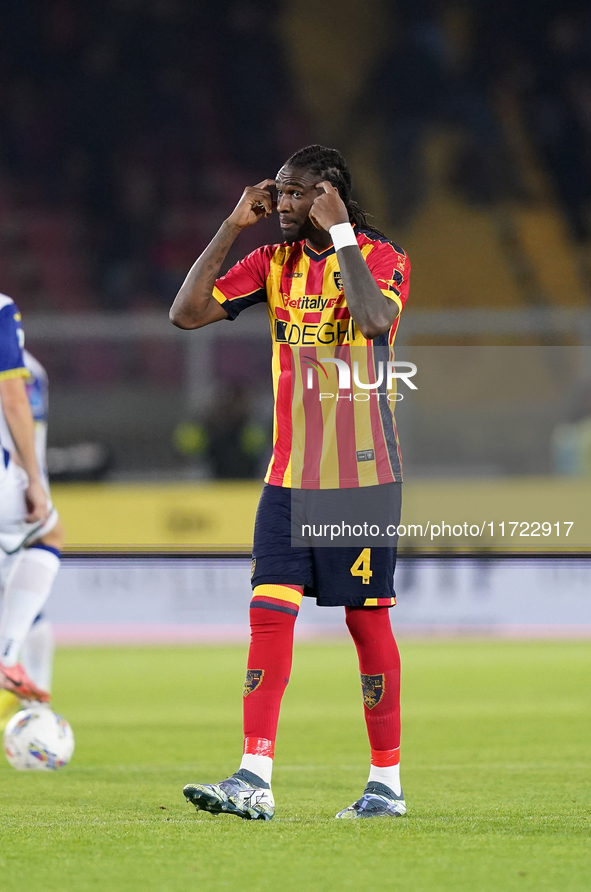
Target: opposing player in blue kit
30,533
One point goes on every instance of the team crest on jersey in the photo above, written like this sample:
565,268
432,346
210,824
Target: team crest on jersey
338,280
374,688
253,566
253,679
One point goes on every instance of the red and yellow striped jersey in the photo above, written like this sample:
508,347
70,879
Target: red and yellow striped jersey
324,437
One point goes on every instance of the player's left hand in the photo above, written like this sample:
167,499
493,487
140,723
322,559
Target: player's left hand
328,208
37,504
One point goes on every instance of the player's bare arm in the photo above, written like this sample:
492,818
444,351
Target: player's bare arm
195,306
19,418
371,310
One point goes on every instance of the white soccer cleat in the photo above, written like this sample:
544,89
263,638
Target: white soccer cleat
243,794
378,801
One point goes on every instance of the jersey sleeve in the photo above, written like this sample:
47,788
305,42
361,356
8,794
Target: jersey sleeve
245,283
37,385
390,267
12,362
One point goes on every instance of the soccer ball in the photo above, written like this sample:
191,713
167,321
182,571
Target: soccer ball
38,739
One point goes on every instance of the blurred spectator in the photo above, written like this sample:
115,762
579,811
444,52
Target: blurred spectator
137,117
228,438
133,124
560,113
571,441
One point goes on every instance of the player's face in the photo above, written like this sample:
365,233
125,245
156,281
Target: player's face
296,191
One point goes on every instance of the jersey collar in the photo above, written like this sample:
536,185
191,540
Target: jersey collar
315,255
322,255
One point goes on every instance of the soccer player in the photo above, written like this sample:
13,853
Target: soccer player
37,650
334,284
30,533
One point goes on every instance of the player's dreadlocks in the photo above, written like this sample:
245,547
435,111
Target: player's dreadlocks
329,164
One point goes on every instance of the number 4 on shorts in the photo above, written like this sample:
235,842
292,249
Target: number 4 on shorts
361,566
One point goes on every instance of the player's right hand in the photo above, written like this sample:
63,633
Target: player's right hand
256,202
37,503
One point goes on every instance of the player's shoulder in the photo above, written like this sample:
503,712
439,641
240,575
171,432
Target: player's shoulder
377,240
381,253
263,254
282,250
276,254
6,301
9,312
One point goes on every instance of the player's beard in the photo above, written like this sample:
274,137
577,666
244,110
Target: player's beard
299,233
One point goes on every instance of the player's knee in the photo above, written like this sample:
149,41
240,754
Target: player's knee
355,622
365,623
350,618
357,617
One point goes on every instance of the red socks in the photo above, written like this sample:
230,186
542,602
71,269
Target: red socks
379,663
273,612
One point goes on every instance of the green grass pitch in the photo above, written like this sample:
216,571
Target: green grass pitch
496,772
